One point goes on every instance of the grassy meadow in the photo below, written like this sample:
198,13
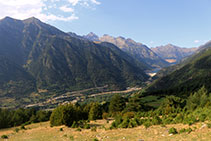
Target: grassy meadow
43,132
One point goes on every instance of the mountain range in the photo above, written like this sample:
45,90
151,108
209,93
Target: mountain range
39,57
173,54
135,49
188,76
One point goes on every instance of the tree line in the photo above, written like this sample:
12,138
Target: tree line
127,112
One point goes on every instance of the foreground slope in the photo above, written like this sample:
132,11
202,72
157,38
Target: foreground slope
41,57
187,77
43,131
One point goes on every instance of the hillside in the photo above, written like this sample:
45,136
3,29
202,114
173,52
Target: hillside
187,77
40,57
135,49
43,131
173,54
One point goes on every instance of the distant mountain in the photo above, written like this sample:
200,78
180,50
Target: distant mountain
186,77
137,50
36,56
172,53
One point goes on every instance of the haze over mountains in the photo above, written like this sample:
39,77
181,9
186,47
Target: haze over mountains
158,57
172,53
188,76
36,56
137,50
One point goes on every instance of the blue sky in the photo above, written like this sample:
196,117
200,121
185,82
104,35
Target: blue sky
185,23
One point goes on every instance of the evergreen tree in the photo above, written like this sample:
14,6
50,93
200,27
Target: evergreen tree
117,104
95,111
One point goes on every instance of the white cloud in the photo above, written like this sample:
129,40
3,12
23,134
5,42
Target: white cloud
197,41
23,9
73,2
95,2
66,9
151,42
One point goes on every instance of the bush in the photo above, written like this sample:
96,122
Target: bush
179,118
172,131
202,117
124,123
86,126
167,120
74,125
61,129
78,129
95,140
189,119
118,120
94,129
4,137
105,116
16,130
65,114
183,130
147,124
156,120
71,138
129,115
23,127
209,125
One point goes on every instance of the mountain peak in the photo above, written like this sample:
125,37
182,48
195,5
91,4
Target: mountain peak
32,20
7,18
92,36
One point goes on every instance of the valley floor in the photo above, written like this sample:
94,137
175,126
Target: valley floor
43,132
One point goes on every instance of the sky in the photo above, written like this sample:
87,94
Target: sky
185,23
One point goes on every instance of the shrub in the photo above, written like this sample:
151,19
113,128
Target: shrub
167,120
129,114
124,123
61,129
94,129
173,130
95,139
74,125
118,120
189,130
147,124
86,126
78,129
23,127
179,118
209,125
71,138
202,117
156,120
4,137
16,130
189,119
183,130
65,114
105,116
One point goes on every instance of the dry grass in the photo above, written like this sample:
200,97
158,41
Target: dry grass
43,132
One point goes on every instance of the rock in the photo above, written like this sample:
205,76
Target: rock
203,126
